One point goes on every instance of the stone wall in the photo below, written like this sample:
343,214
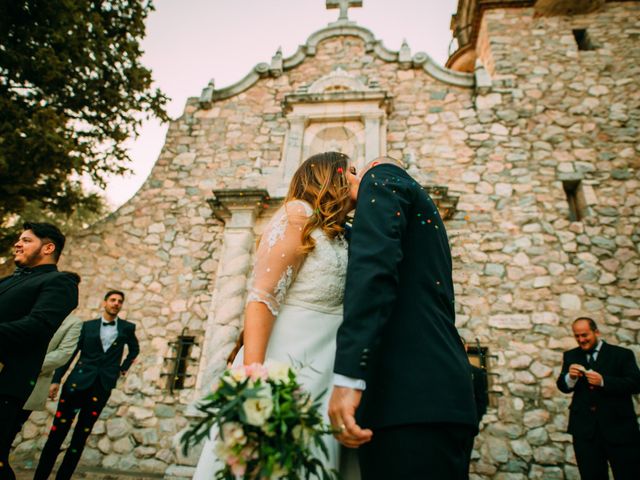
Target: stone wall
522,270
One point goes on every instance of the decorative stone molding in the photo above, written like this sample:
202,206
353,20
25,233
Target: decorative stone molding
334,101
226,203
404,56
483,79
276,67
372,46
207,94
337,78
380,98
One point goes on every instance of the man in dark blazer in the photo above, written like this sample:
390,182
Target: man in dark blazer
399,361
87,390
33,303
602,421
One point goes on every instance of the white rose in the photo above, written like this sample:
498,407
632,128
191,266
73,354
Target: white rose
257,410
278,371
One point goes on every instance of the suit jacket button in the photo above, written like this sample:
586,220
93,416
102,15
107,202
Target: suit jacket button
363,364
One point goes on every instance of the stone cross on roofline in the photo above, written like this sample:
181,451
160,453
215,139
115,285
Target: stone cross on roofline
344,6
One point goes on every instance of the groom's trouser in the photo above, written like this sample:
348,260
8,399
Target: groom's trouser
87,404
414,452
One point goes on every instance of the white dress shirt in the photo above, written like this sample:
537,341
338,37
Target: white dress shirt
108,333
348,382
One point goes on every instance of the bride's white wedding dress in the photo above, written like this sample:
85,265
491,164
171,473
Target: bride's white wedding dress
304,293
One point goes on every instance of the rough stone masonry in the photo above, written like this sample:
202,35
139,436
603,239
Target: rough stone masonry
536,117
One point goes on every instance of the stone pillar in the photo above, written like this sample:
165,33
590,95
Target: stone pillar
372,142
239,209
293,149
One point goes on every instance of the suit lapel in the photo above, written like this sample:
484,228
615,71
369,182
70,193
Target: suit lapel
603,356
95,325
581,358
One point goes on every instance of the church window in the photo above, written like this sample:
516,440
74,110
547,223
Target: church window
578,208
178,363
583,40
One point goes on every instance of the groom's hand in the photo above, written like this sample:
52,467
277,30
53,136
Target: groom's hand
342,410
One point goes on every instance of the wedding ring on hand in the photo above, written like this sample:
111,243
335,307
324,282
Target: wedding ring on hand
342,428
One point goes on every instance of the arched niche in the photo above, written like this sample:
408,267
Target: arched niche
335,112
346,137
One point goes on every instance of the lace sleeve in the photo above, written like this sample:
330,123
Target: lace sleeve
279,257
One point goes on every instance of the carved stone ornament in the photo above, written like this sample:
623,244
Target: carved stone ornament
226,201
280,64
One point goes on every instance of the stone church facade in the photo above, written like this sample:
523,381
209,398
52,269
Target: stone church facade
529,144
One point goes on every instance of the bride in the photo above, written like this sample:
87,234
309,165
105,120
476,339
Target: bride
294,304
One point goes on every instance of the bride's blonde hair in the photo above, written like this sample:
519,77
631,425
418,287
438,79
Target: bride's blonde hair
321,181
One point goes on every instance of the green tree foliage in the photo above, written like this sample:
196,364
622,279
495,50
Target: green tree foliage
72,90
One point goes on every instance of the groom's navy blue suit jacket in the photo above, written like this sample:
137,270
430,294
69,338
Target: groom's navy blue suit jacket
398,332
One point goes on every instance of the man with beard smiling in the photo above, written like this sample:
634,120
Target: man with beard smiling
33,303
602,420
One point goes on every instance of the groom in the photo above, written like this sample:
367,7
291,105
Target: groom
403,387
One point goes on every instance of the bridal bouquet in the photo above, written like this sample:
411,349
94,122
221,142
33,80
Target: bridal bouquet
268,427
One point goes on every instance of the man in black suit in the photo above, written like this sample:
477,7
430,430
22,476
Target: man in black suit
33,303
399,359
602,378
87,390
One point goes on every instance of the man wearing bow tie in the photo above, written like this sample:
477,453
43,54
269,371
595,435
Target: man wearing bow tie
602,420
87,390
33,303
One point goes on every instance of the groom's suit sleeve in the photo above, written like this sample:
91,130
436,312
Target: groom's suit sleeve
375,252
